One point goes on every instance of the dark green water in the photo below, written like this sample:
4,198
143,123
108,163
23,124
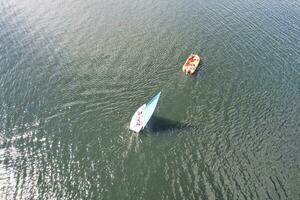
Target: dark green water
72,73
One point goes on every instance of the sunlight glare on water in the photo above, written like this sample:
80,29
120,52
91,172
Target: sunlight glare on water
72,73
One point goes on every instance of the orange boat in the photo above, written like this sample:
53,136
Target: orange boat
191,64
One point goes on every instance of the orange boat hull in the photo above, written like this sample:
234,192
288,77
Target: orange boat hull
191,64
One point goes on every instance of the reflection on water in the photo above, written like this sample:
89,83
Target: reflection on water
72,73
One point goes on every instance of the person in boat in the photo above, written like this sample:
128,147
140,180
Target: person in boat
191,59
138,121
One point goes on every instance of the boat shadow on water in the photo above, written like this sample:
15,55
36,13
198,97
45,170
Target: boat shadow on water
160,125
199,72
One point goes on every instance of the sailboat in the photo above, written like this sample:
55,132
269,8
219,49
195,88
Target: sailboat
143,114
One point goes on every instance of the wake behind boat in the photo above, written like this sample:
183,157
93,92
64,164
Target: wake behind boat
143,114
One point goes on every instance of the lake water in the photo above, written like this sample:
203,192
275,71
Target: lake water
72,73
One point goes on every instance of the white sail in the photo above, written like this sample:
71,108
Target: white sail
149,109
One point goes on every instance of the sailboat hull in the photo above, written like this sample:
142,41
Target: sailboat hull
141,117
136,123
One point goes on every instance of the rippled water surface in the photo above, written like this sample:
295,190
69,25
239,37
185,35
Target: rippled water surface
72,73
